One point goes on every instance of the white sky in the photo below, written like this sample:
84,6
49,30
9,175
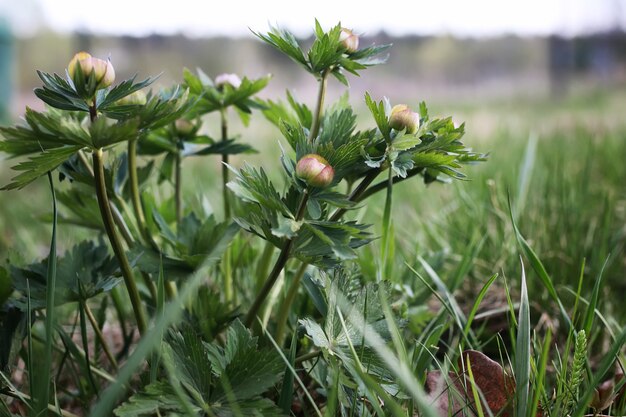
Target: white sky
211,17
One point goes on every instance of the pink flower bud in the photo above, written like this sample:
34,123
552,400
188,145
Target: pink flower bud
402,117
231,79
315,170
349,40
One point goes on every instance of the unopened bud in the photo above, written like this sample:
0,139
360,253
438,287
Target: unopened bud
102,70
84,60
349,40
137,98
231,79
402,117
184,127
315,171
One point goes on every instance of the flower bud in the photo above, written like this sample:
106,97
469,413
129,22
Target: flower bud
315,170
103,71
231,79
349,40
184,127
84,60
402,117
138,98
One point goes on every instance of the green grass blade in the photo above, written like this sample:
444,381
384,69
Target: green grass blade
286,393
593,302
525,174
42,387
539,269
522,351
479,299
540,375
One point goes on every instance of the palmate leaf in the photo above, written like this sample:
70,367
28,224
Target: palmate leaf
39,165
43,131
286,42
160,109
155,397
103,133
224,147
210,98
222,381
254,186
83,272
58,93
123,89
245,372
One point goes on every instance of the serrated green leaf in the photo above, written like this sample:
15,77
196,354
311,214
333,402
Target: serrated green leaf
83,272
39,165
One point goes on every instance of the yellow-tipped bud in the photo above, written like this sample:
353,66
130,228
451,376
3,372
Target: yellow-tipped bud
402,117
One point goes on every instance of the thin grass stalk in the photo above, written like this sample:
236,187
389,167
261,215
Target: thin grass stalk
42,388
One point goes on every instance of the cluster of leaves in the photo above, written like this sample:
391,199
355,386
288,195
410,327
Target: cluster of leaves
210,379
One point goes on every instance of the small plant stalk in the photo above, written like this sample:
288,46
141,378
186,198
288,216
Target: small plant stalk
118,250
134,192
283,313
319,106
178,189
226,263
99,335
225,173
283,257
386,224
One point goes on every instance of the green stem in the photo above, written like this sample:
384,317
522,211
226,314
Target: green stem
276,270
100,336
386,223
118,250
225,173
283,313
263,265
357,192
319,106
178,189
226,262
384,184
134,192
307,356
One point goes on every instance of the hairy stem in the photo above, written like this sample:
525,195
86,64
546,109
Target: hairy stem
319,106
118,250
178,189
283,257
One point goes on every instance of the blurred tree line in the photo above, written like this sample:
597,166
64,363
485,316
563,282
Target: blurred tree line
430,68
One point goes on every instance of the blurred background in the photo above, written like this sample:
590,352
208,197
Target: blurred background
448,51
514,71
